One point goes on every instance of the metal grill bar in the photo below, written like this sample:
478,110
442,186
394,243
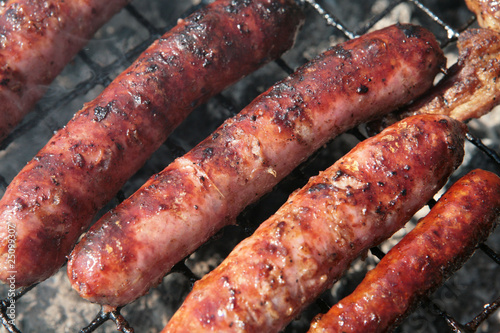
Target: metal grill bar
378,17
488,310
451,33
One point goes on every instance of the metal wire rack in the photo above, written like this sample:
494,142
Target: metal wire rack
53,306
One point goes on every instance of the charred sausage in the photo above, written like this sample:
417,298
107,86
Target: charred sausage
296,254
131,248
38,38
439,244
54,198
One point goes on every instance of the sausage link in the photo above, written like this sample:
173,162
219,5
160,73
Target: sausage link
298,253
131,248
37,39
54,198
439,245
470,88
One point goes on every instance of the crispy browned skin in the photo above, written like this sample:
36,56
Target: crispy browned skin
487,13
53,199
471,87
130,249
311,240
37,39
421,261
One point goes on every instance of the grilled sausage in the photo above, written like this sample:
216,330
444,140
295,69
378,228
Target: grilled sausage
37,39
54,198
470,89
298,253
439,244
131,248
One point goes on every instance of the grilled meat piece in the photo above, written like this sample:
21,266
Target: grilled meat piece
487,13
470,89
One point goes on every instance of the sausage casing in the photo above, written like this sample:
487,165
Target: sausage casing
297,253
131,248
439,244
54,198
37,39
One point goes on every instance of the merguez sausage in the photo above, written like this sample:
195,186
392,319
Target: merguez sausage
439,244
311,240
37,39
54,198
132,247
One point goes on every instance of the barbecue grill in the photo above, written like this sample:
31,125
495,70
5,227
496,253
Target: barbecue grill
466,303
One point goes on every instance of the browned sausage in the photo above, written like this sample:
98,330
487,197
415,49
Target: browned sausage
3,4
311,240
53,199
439,244
130,249
37,39
470,88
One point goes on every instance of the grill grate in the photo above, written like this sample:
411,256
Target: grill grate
53,306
